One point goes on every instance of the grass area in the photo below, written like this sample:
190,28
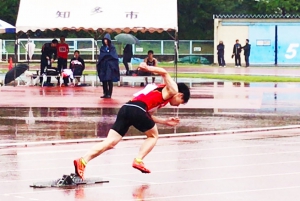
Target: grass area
243,78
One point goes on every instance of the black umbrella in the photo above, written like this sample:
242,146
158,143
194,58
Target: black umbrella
15,72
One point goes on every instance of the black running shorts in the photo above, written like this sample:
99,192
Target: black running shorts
133,114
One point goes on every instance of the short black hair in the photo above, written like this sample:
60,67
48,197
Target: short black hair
247,40
150,52
183,88
76,51
54,41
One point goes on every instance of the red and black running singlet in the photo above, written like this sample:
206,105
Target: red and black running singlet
153,99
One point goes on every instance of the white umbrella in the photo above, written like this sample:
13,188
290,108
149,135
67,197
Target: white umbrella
30,47
30,119
6,28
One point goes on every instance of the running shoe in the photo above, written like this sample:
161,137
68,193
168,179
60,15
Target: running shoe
140,166
79,168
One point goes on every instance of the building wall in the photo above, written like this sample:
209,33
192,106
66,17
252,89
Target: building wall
263,35
228,34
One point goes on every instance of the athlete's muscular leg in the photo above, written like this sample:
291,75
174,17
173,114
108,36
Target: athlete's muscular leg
113,138
149,143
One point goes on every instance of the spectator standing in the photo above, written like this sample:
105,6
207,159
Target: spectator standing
247,49
127,56
49,54
62,57
237,49
108,66
221,49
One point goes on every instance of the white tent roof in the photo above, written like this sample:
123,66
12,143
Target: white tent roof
108,15
6,28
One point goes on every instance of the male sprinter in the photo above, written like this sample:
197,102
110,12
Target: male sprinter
139,113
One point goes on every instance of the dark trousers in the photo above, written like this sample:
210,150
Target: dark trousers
247,60
125,62
62,64
44,64
221,60
237,59
107,88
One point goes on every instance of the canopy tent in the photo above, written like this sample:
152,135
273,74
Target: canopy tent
101,15
105,15
6,27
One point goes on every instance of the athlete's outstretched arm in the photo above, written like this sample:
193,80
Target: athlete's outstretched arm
171,86
158,120
173,121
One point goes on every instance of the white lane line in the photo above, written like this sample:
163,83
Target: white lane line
217,179
161,161
238,131
121,146
138,145
217,148
154,152
219,193
107,186
84,150
17,196
172,170
130,180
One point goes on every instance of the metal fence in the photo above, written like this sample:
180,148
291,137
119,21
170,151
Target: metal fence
89,50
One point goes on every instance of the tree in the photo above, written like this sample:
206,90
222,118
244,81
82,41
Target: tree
196,16
9,10
282,7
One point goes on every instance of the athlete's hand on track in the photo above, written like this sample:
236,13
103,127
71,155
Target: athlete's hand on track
173,121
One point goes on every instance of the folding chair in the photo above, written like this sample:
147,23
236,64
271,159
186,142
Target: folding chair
51,72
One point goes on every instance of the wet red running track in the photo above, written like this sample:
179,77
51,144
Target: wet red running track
90,97
245,166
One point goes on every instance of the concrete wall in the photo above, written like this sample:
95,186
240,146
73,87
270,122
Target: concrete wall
258,31
228,34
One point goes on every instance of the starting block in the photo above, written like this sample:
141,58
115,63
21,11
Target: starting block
71,180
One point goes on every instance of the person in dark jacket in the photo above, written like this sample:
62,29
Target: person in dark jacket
127,56
237,49
221,48
49,55
247,49
77,65
108,66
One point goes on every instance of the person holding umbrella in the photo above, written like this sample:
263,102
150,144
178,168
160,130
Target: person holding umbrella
49,54
129,40
127,55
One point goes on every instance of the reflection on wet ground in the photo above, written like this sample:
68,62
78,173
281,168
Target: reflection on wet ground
277,98
79,113
36,124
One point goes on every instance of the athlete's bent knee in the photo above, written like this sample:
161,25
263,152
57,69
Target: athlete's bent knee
152,134
112,144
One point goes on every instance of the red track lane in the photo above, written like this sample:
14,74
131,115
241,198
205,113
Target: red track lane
90,97
246,166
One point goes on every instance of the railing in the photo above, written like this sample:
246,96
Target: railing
89,50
